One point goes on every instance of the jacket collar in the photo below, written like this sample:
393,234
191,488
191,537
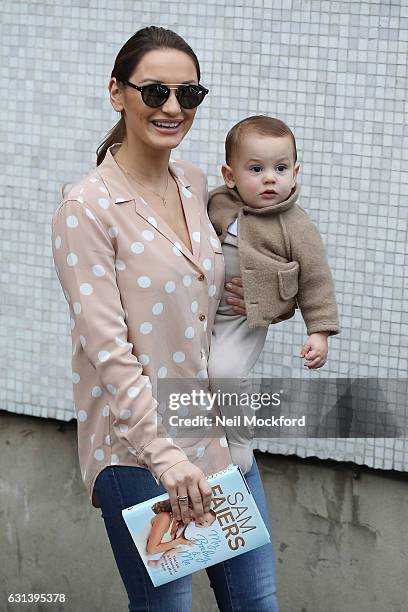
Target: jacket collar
224,194
120,191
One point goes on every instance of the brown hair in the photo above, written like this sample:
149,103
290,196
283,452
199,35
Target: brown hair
144,40
261,124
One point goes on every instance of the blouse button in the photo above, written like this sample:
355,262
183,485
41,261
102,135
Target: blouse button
201,277
202,317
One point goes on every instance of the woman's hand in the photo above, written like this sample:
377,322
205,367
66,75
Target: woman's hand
237,302
185,478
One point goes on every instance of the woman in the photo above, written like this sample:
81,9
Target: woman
168,534
142,270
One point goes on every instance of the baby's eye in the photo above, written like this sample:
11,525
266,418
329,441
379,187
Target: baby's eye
281,168
255,168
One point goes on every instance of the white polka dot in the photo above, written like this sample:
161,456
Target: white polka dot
103,355
202,374
120,265
72,323
58,242
82,341
207,264
177,251
189,332
82,416
113,231
186,192
94,179
98,270
169,287
157,308
187,280
137,247
179,357
162,372
86,289
112,389
105,410
143,359
75,378
108,440
123,428
144,282
103,189
132,450
119,341
196,236
72,221
133,392
200,451
212,290
77,308
148,235
96,391
90,214
194,306
99,454
216,243
146,327
223,442
114,459
125,414
152,221
103,203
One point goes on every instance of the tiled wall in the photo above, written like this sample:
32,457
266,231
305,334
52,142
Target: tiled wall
336,72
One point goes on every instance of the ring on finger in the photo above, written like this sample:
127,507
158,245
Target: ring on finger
183,499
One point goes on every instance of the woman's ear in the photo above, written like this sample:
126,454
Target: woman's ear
228,176
115,95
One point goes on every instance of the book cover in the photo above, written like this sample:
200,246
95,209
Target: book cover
170,549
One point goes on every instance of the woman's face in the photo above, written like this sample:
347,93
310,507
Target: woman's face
167,66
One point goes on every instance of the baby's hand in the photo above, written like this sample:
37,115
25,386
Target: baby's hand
315,350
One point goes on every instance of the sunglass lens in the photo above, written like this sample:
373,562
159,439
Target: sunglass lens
155,95
190,96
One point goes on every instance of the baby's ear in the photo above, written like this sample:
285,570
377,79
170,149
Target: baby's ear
228,176
295,172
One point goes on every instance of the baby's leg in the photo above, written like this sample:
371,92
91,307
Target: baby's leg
234,351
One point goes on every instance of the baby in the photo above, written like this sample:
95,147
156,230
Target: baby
268,240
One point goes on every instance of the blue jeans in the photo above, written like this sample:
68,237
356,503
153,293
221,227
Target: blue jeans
245,582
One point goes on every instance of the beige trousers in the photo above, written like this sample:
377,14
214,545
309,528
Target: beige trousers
234,351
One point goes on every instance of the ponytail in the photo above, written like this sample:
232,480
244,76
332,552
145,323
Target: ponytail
116,134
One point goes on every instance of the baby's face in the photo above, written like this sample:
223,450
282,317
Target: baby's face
206,521
262,169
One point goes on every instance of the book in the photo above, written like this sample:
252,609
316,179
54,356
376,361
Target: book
171,549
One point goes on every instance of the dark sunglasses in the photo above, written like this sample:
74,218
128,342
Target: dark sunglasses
156,94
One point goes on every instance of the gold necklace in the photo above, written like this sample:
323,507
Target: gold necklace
162,197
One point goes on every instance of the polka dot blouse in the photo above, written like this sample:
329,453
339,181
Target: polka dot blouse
141,308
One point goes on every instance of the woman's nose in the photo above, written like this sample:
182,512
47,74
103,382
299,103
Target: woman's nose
172,105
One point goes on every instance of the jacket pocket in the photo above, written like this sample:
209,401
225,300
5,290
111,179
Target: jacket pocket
288,281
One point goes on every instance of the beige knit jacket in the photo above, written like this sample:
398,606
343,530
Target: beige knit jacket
282,259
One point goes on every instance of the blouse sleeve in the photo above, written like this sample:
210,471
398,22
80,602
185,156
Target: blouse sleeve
85,265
